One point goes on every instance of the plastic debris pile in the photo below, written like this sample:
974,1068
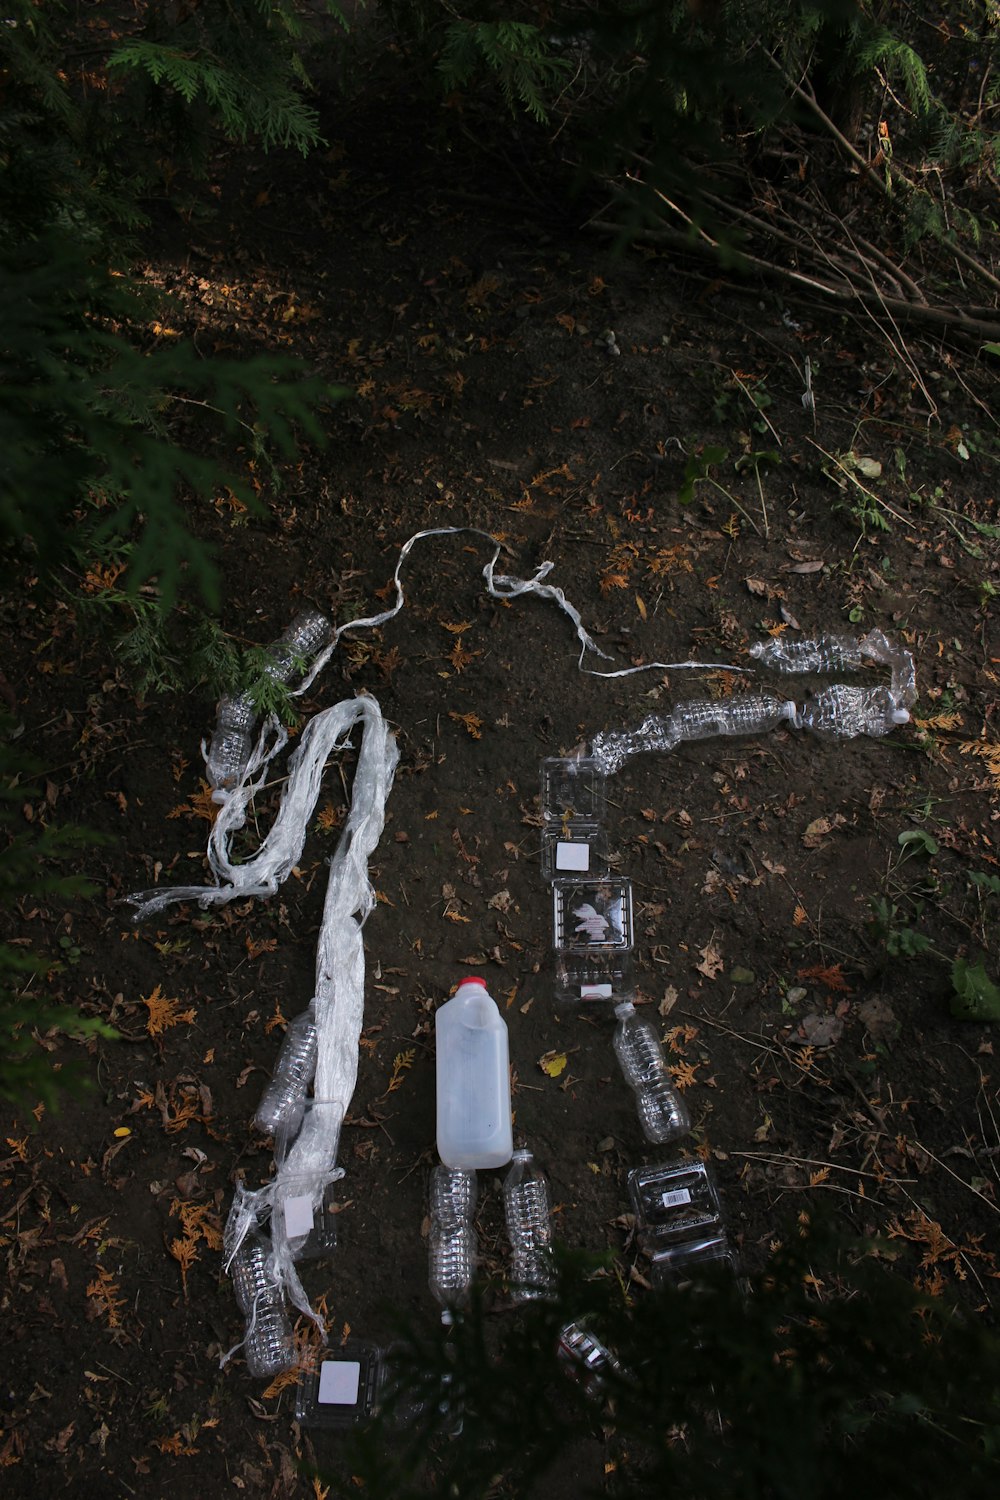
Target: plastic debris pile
842,710
291,1219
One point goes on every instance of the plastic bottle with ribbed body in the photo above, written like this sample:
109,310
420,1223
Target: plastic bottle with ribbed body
662,1113
231,744
827,653
452,1238
452,1195
753,714
268,1345
232,741
305,638
698,719
844,712
528,1210
283,1102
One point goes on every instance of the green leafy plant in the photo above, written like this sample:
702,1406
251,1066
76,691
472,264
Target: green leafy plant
516,53
90,429
974,994
816,1382
30,861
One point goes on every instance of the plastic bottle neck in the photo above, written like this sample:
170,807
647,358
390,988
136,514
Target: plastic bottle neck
624,1009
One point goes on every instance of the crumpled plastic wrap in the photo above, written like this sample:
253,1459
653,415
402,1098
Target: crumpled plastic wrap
309,1165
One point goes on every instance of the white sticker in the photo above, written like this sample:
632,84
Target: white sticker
572,856
671,1200
339,1382
596,992
298,1216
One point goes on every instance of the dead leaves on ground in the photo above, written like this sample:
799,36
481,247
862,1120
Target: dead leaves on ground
165,1012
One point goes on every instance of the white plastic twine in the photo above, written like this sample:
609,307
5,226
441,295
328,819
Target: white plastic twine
503,586
340,966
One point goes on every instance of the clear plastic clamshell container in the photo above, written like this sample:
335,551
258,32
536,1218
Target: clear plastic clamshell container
572,788
680,1265
343,1389
586,977
675,1204
574,848
592,915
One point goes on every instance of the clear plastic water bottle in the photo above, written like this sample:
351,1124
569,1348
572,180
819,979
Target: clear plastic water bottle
528,1210
699,719
452,1195
305,638
283,1102
753,714
827,653
268,1347
231,744
843,712
452,1239
663,1114
232,741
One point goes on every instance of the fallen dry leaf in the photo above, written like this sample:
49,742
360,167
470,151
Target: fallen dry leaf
164,1012
879,1019
711,962
553,1063
818,829
820,1030
669,1000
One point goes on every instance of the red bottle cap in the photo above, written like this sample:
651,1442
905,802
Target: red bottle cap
473,979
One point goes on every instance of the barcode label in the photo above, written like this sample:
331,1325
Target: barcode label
671,1200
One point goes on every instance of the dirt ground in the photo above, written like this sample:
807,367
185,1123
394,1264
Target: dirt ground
819,1061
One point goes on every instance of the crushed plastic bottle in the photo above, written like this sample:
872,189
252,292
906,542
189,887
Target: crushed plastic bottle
844,711
452,1238
528,1210
832,653
827,653
696,720
232,741
663,1115
268,1346
283,1102
587,1361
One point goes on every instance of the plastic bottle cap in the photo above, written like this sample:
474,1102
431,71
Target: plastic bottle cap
473,979
624,1008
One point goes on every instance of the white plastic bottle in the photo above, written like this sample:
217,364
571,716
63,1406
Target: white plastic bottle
473,1080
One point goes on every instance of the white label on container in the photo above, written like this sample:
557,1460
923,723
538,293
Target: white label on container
339,1382
596,992
671,1200
572,856
298,1216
